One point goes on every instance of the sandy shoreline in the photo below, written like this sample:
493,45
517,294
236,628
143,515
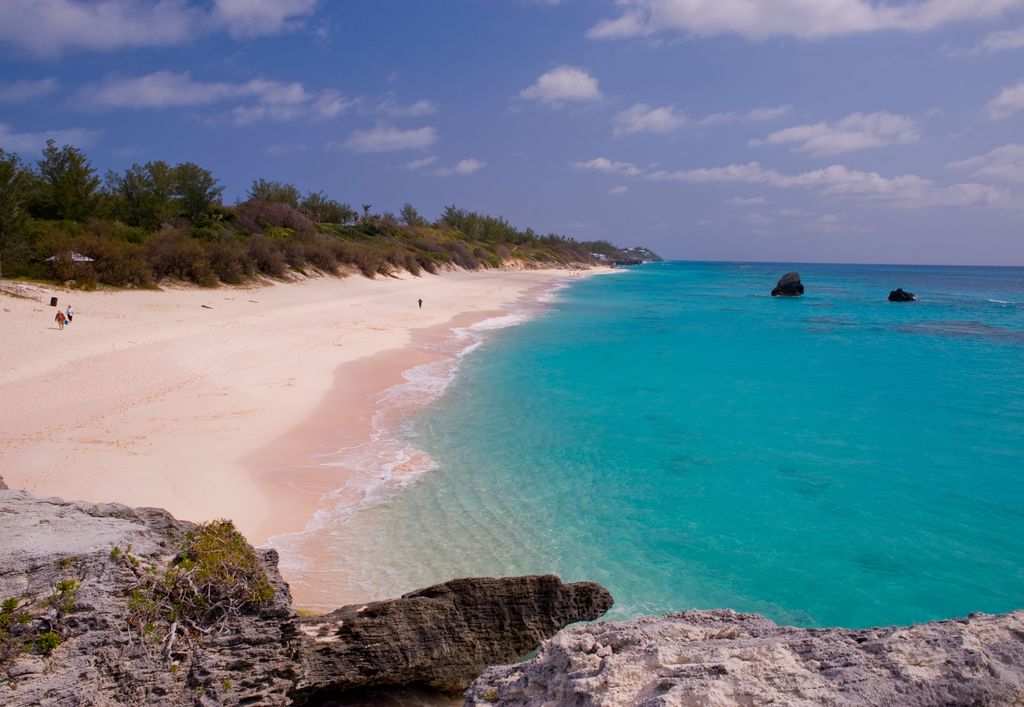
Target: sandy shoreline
215,403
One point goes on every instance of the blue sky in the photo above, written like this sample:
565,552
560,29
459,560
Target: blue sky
791,130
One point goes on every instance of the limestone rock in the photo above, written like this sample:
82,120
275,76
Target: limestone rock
899,295
444,635
789,285
722,658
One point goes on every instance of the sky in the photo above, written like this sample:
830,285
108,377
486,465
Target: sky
776,130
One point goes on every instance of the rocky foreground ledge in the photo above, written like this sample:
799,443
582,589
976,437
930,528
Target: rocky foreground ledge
83,574
726,658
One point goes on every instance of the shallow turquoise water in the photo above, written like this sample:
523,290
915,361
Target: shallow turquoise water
690,442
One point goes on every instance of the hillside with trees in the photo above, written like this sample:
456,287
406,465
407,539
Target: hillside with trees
161,222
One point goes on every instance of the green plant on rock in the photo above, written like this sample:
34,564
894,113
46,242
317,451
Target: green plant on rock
215,576
48,641
32,625
63,597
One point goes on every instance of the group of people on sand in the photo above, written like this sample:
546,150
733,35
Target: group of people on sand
63,318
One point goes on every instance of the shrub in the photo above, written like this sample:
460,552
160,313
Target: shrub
172,253
217,575
256,216
230,261
267,256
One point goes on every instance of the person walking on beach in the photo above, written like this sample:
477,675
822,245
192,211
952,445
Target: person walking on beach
71,314
421,303
59,319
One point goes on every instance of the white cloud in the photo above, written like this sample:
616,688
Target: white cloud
253,18
561,85
642,118
1004,163
806,19
755,115
854,132
415,110
21,91
385,138
48,27
1003,40
462,167
619,190
837,181
747,201
420,164
160,89
1009,101
264,99
601,164
27,142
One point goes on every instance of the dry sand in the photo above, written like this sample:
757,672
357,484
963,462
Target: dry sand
212,403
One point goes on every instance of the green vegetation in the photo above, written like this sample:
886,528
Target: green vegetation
28,625
215,576
158,222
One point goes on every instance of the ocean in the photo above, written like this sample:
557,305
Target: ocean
679,436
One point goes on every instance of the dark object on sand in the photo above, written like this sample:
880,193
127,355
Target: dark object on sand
789,285
898,295
53,301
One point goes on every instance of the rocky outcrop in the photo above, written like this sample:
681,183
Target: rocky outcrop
899,295
789,285
444,635
3,486
723,658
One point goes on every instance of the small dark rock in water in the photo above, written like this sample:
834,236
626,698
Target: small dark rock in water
789,285
3,486
898,295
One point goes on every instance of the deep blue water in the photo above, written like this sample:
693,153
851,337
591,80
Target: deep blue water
690,442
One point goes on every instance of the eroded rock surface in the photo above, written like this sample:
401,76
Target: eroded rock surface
725,658
443,635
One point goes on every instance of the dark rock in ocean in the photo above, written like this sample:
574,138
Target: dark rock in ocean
444,635
789,285
898,295
3,486
722,657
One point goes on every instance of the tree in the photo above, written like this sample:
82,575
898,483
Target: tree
323,209
411,217
366,211
69,184
144,195
196,190
16,182
277,192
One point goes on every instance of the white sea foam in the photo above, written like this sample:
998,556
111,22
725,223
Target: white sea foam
387,463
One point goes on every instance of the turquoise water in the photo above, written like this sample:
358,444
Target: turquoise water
679,436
